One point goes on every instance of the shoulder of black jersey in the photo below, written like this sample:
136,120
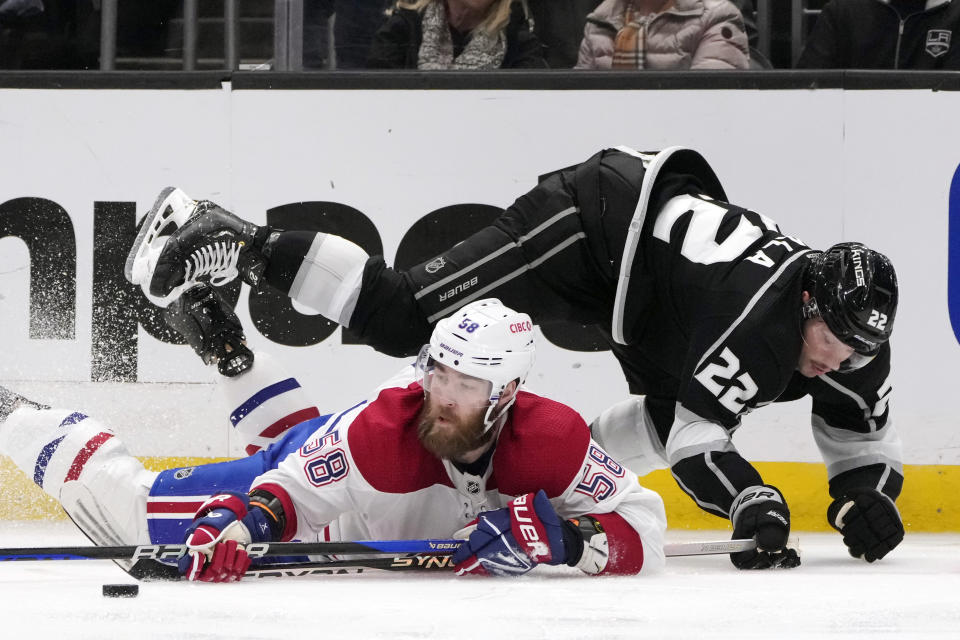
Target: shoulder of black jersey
542,446
384,444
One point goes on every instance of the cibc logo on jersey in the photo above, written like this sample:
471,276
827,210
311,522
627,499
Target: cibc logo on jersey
520,327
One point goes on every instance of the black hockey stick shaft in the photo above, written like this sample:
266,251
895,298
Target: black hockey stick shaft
410,562
423,562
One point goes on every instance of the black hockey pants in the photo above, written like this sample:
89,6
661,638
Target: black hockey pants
554,253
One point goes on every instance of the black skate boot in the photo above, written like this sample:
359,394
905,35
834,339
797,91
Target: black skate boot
10,402
210,326
183,242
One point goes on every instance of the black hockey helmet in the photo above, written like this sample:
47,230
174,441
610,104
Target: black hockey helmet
854,290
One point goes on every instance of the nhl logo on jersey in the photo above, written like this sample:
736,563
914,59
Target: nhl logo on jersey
938,42
436,264
473,487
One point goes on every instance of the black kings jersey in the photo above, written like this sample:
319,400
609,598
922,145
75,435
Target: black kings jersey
723,323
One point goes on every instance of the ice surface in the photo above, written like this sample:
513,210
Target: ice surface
914,593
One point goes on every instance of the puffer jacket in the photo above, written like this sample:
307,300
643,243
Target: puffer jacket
692,34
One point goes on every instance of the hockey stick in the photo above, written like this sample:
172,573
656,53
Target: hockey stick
389,555
415,562
425,562
674,549
254,550
422,562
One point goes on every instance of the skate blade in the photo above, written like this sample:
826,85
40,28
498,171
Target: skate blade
171,210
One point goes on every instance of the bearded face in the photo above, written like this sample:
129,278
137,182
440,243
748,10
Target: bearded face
448,431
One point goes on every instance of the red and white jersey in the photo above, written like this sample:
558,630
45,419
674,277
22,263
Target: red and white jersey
365,475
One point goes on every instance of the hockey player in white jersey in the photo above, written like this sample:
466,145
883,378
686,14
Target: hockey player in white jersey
711,310
452,446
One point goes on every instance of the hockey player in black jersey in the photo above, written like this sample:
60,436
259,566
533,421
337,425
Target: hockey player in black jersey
711,310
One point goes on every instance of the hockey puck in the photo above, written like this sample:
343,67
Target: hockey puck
121,590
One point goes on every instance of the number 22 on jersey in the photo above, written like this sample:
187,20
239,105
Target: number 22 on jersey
731,396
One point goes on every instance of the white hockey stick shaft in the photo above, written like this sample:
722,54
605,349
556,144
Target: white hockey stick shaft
673,549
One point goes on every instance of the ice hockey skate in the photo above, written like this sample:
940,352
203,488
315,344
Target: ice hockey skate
210,326
183,242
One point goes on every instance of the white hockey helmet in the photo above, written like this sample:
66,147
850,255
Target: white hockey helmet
489,344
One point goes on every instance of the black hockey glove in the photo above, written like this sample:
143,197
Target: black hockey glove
869,521
761,513
211,327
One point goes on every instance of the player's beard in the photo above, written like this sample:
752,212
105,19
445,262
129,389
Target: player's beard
466,434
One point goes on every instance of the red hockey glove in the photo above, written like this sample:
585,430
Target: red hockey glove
216,539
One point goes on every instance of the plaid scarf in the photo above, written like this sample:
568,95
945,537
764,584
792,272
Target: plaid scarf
436,51
630,43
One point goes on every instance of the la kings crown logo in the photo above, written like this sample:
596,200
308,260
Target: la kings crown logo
938,42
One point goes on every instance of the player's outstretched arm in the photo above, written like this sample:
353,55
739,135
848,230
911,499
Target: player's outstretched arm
864,457
725,484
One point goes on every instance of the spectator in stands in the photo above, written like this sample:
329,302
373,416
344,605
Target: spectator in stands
456,34
558,24
355,24
664,35
884,34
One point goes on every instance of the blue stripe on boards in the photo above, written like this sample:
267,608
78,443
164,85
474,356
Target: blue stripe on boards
953,252
262,396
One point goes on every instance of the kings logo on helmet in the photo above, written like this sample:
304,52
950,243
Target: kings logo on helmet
858,267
